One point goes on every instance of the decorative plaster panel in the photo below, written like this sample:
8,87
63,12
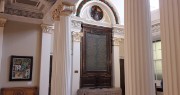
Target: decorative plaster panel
117,30
24,13
76,24
81,5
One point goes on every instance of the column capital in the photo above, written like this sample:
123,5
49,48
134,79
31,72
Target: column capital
63,9
2,22
116,41
77,36
47,28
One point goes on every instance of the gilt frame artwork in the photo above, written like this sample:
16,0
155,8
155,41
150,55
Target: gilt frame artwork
21,68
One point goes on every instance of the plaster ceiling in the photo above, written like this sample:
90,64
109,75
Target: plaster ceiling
28,8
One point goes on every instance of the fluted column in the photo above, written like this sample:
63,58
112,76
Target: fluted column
45,59
62,65
139,76
170,37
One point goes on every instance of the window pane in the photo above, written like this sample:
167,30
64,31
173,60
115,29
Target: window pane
154,44
158,69
157,57
158,45
154,55
158,54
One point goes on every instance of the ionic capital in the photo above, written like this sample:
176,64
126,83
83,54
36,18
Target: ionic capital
116,41
47,28
77,36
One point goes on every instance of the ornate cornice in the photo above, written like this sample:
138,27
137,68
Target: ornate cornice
156,28
77,36
23,13
116,41
47,28
62,9
2,22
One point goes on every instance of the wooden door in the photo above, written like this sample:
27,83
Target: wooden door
96,60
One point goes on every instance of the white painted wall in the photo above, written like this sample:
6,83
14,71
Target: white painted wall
22,39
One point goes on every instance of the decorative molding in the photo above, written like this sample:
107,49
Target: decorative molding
156,28
76,24
63,9
80,6
117,30
116,41
56,13
2,22
23,13
77,36
47,28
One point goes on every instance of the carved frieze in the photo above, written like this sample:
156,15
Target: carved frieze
23,13
77,36
47,28
2,22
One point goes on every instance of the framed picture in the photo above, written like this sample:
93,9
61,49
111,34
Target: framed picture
21,68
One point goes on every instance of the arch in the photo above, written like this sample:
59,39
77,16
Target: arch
83,2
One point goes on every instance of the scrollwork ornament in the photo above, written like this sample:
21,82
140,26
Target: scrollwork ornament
116,41
118,30
47,28
77,36
57,12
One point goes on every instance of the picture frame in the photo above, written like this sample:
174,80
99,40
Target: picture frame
21,68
